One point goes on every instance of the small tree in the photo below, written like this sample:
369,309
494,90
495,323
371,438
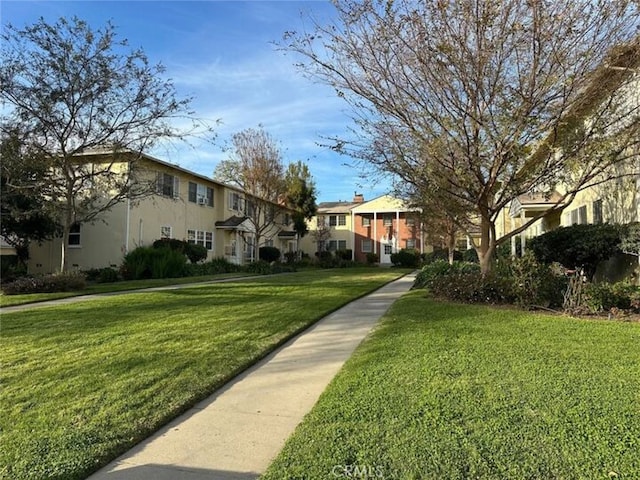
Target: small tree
255,166
71,89
300,196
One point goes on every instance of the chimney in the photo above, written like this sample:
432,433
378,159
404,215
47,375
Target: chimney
358,197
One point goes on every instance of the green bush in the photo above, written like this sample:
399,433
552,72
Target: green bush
441,254
60,282
346,254
578,246
149,262
170,243
213,267
473,287
372,258
269,254
470,255
108,275
195,252
534,283
439,268
603,297
409,258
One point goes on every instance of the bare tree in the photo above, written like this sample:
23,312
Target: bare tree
474,102
255,166
71,90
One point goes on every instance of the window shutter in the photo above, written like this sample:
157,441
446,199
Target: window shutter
159,179
176,187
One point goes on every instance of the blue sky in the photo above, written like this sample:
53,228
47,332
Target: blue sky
222,54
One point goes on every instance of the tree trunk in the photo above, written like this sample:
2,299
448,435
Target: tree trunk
487,246
451,246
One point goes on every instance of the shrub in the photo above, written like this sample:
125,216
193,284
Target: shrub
323,255
61,282
290,257
472,287
170,243
441,268
269,254
409,258
578,246
372,258
441,254
605,296
346,254
149,262
108,275
534,283
213,267
470,255
195,252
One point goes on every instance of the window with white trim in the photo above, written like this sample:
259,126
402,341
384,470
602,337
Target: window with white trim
200,237
388,250
333,220
367,246
411,221
387,219
342,220
366,221
235,202
411,243
74,235
200,194
167,185
165,231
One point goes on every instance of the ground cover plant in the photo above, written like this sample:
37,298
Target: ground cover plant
444,390
81,383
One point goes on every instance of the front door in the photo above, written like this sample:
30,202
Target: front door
386,249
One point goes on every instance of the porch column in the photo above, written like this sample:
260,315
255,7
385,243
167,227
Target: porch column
375,231
397,245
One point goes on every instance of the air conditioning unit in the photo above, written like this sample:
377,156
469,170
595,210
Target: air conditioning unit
202,201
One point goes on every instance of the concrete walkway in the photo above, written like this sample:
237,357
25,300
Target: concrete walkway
93,296
237,432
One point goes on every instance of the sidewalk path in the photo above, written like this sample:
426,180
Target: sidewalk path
93,296
237,432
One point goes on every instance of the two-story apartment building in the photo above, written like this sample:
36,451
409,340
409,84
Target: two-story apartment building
381,226
185,206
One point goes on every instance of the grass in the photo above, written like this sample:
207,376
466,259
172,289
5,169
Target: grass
10,300
82,383
454,391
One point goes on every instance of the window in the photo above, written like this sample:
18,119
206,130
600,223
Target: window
387,219
251,208
387,250
597,211
74,235
268,243
235,202
200,194
342,220
333,220
579,215
366,221
334,245
165,231
167,185
411,243
200,237
321,221
287,219
367,246
411,221
193,192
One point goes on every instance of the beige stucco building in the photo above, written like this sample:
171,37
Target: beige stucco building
185,206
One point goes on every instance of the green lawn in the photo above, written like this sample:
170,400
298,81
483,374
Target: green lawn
9,300
446,391
81,383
